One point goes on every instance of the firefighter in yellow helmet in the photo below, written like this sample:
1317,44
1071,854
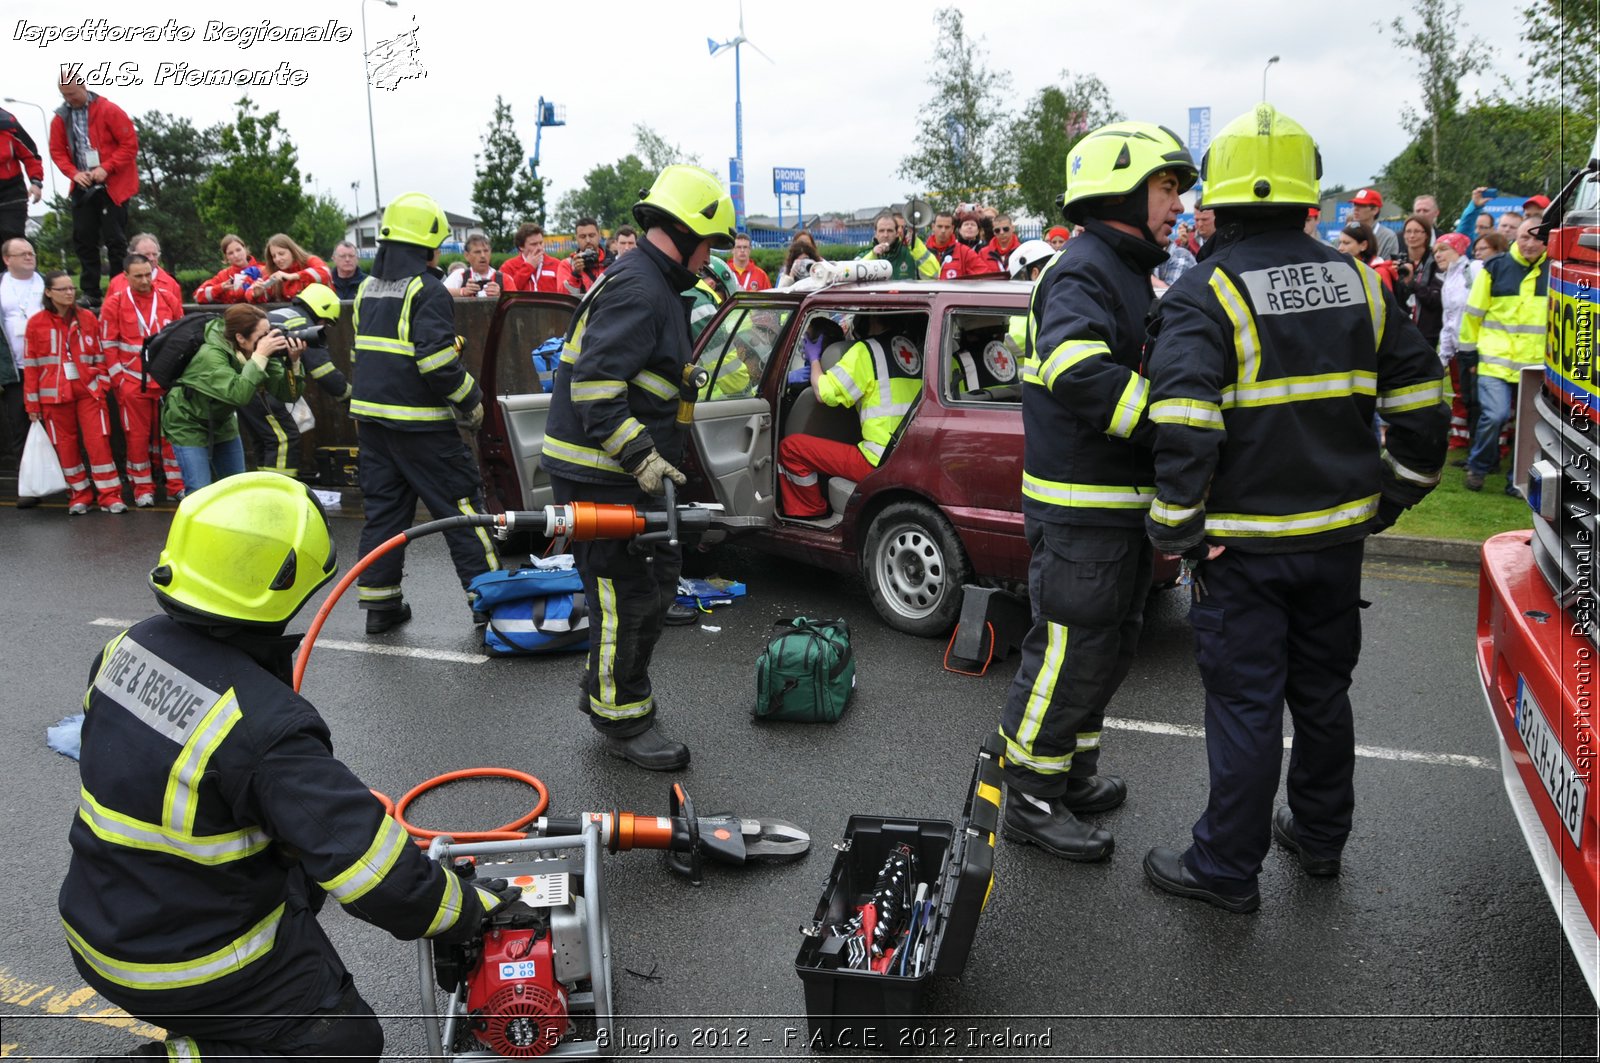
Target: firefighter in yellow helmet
214,819
411,393
1086,482
1272,356
269,419
613,436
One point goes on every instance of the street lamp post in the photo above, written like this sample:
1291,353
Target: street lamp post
355,191
366,75
1264,70
45,158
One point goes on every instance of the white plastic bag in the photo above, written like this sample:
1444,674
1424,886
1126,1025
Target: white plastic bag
304,419
40,472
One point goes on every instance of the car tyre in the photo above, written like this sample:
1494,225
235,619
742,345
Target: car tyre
915,567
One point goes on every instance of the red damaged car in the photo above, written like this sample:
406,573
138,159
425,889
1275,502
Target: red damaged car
942,509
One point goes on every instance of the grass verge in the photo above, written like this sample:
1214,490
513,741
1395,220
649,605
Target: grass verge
1452,512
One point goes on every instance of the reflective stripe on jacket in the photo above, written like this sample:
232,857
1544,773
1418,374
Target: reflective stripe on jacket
408,372
210,801
615,393
1085,437
881,378
1273,354
1505,315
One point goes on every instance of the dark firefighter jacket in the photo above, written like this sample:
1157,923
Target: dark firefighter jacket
1086,456
1272,357
408,373
617,387
210,802
315,360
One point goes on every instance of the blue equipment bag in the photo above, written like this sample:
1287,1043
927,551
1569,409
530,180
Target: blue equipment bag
546,357
532,611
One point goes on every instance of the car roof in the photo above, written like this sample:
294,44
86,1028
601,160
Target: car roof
899,289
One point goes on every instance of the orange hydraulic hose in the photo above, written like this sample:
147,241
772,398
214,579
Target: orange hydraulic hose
506,832
327,607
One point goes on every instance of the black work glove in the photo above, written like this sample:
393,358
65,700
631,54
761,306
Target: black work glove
1388,512
458,950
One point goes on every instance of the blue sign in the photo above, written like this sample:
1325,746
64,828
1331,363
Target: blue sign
736,188
788,181
1199,131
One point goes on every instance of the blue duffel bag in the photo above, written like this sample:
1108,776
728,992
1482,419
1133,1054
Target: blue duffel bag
532,610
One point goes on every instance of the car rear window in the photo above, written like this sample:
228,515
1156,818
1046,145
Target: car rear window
982,356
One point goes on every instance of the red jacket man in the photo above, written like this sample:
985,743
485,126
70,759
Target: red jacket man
147,245
19,156
751,277
131,314
588,262
94,144
955,258
1005,241
532,270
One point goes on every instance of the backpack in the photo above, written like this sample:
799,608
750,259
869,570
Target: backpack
165,355
546,357
532,611
807,672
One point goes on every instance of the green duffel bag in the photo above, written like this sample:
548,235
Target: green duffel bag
807,672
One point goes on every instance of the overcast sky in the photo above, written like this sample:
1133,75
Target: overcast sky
841,98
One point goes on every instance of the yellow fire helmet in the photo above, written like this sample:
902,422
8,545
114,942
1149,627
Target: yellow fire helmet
414,218
695,198
248,549
1117,159
1262,159
321,300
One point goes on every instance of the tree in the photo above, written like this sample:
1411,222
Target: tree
1511,145
320,224
254,189
609,192
1560,58
505,193
174,158
960,149
1053,121
1444,62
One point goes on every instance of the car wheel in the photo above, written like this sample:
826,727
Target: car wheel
915,568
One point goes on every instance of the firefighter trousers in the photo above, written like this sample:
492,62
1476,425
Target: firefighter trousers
1272,629
140,413
627,592
303,1004
398,468
84,422
1088,586
271,425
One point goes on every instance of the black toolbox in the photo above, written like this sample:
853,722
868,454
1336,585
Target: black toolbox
853,1008
337,466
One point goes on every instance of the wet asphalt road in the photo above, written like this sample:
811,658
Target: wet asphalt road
1438,941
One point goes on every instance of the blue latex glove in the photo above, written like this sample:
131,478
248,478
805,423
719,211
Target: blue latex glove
801,375
812,347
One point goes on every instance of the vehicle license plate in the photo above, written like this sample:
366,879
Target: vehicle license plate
1567,790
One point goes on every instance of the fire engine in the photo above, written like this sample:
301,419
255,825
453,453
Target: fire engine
1538,639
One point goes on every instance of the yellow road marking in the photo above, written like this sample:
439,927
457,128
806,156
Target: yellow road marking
1442,576
81,1003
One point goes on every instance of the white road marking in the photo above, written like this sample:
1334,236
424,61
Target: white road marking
1455,760
450,656
1183,730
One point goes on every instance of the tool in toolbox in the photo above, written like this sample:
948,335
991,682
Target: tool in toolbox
901,903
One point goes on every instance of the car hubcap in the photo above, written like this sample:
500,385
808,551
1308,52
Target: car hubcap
911,571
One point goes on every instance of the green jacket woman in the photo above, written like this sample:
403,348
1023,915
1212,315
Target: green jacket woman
239,356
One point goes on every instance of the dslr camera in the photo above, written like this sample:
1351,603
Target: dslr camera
588,256
311,335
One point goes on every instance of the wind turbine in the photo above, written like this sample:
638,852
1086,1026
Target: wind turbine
736,164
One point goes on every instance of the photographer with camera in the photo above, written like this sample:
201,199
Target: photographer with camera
95,146
241,354
589,261
268,419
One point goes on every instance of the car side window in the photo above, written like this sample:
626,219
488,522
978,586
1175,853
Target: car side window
737,353
983,356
